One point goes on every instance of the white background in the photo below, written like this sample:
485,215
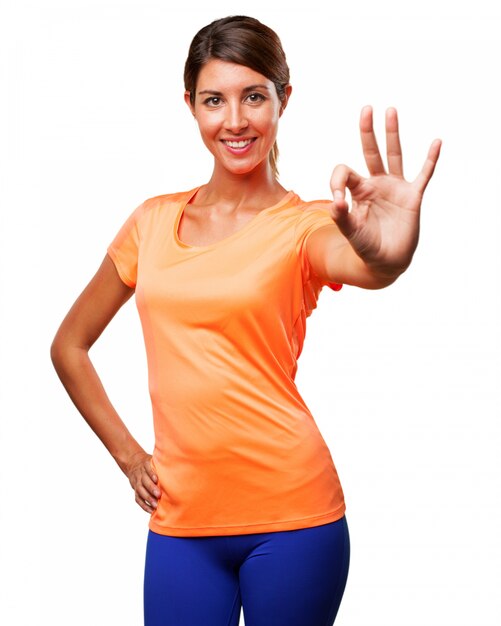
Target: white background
403,382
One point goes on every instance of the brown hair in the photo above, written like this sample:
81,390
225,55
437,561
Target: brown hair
243,40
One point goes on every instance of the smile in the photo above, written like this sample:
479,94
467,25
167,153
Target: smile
238,144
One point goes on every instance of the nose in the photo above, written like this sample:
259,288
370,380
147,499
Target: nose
235,120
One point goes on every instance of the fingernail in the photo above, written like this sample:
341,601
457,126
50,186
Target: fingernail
157,493
338,194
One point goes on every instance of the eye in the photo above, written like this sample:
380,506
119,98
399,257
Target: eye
256,97
213,101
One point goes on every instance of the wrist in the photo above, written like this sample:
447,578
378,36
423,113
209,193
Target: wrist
126,455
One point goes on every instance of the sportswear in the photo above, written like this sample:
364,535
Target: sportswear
237,450
289,578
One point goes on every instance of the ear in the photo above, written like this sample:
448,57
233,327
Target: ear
188,102
288,91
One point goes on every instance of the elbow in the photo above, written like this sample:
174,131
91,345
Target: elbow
65,347
57,351
61,350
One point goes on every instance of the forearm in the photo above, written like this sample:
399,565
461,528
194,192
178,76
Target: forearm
376,275
86,391
333,258
351,269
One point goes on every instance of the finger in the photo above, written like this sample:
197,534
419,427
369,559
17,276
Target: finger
143,494
150,486
151,472
343,177
393,148
144,504
426,172
369,144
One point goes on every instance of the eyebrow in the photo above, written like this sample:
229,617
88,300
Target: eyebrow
245,90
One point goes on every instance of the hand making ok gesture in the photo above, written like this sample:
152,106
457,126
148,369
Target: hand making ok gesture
383,223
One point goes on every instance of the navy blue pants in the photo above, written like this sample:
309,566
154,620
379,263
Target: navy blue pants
282,578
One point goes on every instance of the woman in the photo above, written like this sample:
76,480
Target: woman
246,508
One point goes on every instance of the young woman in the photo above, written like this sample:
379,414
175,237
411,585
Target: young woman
246,508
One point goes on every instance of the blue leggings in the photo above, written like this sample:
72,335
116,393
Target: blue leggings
281,578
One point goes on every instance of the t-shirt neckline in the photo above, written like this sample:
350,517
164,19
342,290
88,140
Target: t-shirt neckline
189,195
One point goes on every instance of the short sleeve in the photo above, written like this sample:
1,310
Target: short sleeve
309,222
124,248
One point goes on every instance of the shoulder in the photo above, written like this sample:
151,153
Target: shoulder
313,212
160,207
314,205
304,208
166,199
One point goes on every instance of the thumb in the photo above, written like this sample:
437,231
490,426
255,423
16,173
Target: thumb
152,473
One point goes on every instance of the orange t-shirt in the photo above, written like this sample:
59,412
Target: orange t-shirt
237,451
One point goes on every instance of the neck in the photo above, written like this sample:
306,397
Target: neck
251,188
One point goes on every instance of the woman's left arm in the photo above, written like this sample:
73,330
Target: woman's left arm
373,243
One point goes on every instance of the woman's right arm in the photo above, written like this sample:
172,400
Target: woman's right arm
96,306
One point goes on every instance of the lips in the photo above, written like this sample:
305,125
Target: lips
239,146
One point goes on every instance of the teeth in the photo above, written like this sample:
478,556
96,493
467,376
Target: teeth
238,144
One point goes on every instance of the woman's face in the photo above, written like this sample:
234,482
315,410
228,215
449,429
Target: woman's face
237,110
